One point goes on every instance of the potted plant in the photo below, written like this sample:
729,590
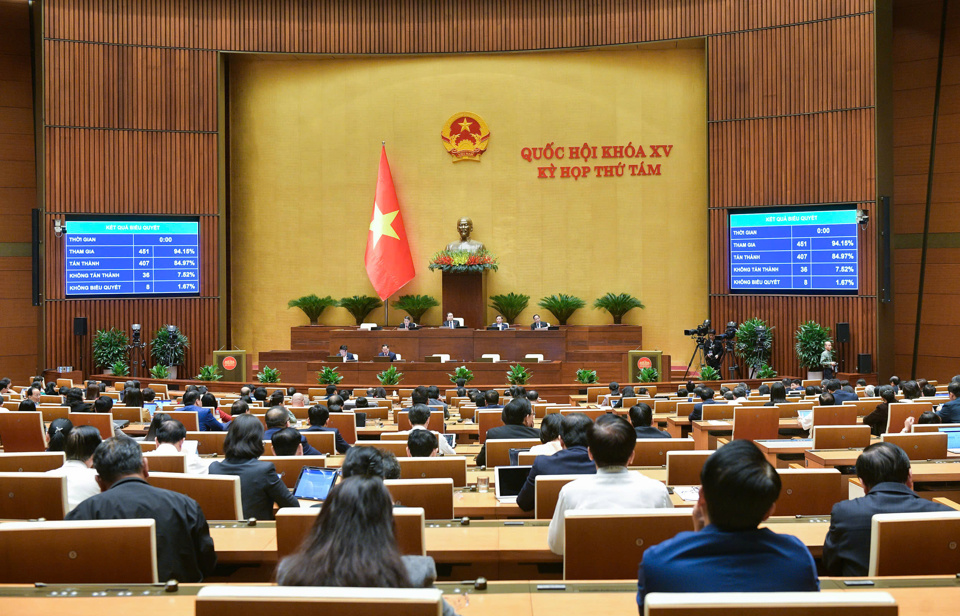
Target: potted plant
360,306
269,375
618,304
510,305
169,347
109,347
586,376
415,305
461,373
159,372
709,373
390,376
210,372
561,306
120,368
754,344
518,375
329,376
766,372
811,336
648,375
312,305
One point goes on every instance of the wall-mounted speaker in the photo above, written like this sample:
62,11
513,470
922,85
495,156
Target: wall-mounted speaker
80,326
843,332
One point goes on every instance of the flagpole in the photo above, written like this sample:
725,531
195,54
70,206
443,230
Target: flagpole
386,302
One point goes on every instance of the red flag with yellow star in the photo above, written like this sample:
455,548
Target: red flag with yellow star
388,260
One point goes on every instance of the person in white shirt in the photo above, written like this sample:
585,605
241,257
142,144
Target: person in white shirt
419,416
549,436
170,438
611,441
78,469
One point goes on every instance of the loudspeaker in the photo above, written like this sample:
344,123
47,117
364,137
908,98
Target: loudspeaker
843,332
864,363
80,326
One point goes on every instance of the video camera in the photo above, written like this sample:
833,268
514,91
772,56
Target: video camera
730,332
701,330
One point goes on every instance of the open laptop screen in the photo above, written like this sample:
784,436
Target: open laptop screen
510,479
314,483
953,437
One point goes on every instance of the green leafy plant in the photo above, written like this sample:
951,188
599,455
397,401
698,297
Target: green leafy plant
312,305
510,305
461,373
360,306
518,375
390,376
329,376
811,336
749,347
159,372
415,305
169,348
709,373
269,375
109,346
766,372
210,372
618,304
561,306
586,376
120,368
648,375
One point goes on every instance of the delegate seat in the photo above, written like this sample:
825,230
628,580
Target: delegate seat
841,437
217,495
914,543
28,496
653,451
22,431
756,423
435,423
346,423
921,445
498,449
452,467
897,413
31,461
683,467
434,496
546,493
809,491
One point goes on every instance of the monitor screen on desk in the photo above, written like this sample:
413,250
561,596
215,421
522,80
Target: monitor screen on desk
953,437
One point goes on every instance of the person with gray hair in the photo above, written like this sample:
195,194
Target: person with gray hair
184,548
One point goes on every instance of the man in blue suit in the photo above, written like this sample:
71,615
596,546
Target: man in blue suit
386,352
318,415
950,411
884,470
277,419
208,423
706,397
345,354
727,550
573,459
841,396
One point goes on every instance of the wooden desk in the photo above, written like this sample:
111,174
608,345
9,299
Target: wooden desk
831,458
781,452
705,433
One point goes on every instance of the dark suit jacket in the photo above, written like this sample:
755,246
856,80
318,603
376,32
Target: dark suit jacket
260,486
950,412
342,444
540,325
507,431
651,432
877,419
842,396
500,326
697,413
184,547
573,461
447,324
207,421
308,449
391,355
412,326
846,550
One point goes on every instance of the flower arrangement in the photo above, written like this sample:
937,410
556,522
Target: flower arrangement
463,261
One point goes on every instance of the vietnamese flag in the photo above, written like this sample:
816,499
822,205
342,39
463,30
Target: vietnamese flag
388,261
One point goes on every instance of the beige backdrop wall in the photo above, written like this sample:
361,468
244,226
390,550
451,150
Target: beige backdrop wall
305,135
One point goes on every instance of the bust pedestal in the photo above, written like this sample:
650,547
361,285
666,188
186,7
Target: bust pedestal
465,295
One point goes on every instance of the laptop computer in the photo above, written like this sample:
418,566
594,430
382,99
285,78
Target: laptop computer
953,439
451,439
804,413
150,407
508,482
314,483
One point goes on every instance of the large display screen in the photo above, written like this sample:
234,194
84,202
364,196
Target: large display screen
803,251
127,257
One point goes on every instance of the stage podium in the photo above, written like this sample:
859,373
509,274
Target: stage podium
465,295
637,360
233,364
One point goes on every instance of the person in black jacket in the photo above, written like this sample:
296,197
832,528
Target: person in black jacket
641,416
518,420
573,459
184,547
260,486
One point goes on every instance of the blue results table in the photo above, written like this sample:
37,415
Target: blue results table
118,257
802,251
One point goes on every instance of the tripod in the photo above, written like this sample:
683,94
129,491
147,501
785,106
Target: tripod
135,350
697,352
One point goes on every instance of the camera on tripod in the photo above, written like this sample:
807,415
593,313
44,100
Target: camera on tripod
701,330
729,333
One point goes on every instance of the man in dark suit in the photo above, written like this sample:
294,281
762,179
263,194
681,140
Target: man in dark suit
408,324
184,547
433,399
950,411
706,397
499,324
492,401
518,423
839,395
208,423
345,354
884,470
277,419
386,352
450,323
573,459
538,324
641,416
319,415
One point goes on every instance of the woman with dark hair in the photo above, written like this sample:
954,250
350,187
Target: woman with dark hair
158,418
78,469
57,433
260,486
92,391
208,400
877,419
352,544
74,399
50,389
778,394
27,406
133,397
549,436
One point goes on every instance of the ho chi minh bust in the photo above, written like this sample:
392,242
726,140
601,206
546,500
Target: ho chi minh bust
464,227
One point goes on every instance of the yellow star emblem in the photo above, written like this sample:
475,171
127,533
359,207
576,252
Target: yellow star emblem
465,125
382,224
